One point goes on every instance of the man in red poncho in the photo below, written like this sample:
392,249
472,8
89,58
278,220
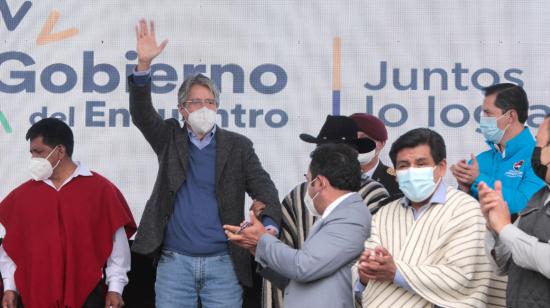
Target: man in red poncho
62,228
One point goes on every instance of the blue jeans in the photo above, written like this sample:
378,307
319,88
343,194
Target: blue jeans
182,280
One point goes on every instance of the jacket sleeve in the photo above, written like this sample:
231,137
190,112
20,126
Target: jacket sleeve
498,253
338,243
145,117
526,250
259,185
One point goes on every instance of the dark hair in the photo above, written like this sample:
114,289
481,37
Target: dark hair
420,136
54,132
338,163
510,97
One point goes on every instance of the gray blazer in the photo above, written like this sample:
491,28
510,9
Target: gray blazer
319,272
238,171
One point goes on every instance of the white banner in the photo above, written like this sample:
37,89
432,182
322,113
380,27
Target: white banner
282,66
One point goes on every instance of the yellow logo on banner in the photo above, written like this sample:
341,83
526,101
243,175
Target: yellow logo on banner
47,35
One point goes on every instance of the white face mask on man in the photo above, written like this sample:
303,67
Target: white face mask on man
365,158
41,168
308,201
202,120
417,184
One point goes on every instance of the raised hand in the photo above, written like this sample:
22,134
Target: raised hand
465,173
147,47
493,206
543,135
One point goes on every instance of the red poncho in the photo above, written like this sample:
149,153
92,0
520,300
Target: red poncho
61,240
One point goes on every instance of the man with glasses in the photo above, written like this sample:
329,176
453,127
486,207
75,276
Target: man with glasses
318,274
298,214
502,123
204,173
522,249
425,249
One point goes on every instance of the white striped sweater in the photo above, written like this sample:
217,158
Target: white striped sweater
441,255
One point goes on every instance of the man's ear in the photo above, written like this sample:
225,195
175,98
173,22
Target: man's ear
513,116
323,181
443,167
62,151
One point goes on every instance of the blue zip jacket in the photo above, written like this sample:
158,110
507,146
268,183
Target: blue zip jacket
513,169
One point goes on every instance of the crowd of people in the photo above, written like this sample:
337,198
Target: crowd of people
354,233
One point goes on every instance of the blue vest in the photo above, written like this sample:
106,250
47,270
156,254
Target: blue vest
195,227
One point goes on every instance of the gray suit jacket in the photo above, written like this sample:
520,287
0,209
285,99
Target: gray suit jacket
320,272
238,171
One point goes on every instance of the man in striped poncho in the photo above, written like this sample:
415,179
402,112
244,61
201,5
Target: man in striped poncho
426,249
297,219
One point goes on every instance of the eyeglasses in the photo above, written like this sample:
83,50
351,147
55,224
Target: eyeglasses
202,102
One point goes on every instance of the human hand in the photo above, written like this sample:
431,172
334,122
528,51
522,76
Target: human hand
364,275
465,173
377,265
493,206
457,171
257,207
543,135
114,300
248,237
147,48
9,300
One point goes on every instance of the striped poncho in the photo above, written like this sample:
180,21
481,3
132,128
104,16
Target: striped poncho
440,255
297,222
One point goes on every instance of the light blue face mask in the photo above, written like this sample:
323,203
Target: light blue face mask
417,183
489,128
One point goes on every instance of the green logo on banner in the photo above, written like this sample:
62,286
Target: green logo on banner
5,123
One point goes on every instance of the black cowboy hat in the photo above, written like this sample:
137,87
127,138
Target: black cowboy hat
340,129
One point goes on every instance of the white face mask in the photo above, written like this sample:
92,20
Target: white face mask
41,168
417,183
201,120
309,201
489,128
365,158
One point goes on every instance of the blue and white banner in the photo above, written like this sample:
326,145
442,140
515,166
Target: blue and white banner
282,66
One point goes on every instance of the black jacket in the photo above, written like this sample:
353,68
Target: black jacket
386,176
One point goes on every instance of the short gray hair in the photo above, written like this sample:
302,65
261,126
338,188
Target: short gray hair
200,80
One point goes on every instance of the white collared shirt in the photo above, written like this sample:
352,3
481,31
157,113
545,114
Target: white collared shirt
118,263
335,204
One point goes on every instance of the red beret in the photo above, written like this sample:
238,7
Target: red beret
371,126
